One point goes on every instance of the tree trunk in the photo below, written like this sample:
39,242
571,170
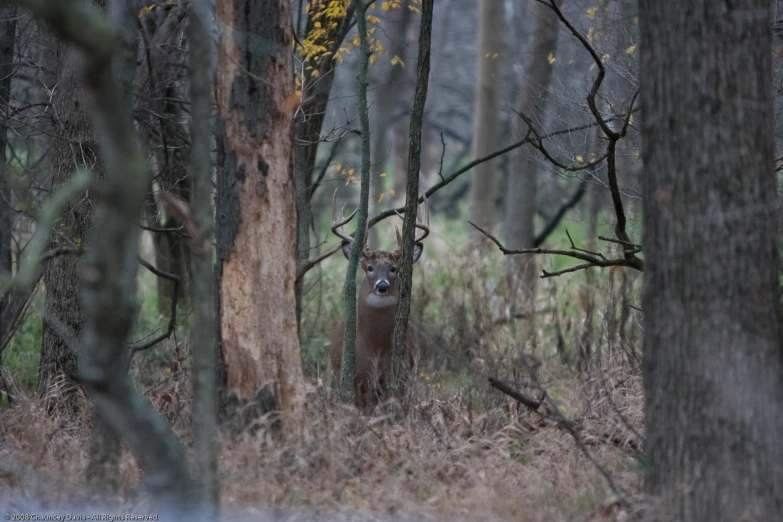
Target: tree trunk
399,337
400,150
485,118
74,148
166,129
523,180
348,359
203,341
11,303
256,205
387,96
103,468
712,365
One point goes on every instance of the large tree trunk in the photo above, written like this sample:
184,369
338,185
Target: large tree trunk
485,113
75,148
712,347
256,205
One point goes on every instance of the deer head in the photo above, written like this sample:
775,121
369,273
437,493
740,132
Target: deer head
380,268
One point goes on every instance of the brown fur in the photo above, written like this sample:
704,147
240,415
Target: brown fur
374,330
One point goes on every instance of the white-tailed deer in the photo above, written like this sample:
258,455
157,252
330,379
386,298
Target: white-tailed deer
376,309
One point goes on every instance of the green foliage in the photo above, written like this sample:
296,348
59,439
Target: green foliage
23,354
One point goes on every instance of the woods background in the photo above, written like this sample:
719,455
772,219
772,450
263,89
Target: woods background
595,310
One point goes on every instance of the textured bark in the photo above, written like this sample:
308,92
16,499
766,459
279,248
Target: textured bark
485,118
256,206
348,362
11,303
74,148
399,339
203,336
712,364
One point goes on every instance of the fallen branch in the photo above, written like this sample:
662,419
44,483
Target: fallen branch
515,394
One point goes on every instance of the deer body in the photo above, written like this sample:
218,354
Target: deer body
374,330
376,311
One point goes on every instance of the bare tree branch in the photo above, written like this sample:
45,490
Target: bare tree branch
591,259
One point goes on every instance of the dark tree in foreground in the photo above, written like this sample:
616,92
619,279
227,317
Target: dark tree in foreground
203,342
712,347
109,273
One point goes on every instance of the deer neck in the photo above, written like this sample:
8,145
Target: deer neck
376,313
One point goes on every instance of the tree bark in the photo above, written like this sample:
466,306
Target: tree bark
109,275
521,196
399,338
712,365
11,303
485,116
204,374
348,360
256,203
166,128
75,148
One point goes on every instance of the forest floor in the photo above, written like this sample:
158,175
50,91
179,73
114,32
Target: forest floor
461,451
444,460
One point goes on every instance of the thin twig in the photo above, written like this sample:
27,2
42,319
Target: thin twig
172,319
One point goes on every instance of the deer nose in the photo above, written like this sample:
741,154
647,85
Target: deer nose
382,286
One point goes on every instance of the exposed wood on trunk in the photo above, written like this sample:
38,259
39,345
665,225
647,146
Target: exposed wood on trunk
256,206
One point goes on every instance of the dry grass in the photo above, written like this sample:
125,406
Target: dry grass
442,460
461,451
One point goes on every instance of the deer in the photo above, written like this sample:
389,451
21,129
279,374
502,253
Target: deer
376,310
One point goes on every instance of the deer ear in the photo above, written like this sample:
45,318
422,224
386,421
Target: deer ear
418,248
347,249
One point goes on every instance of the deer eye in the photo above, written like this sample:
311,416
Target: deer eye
393,269
370,268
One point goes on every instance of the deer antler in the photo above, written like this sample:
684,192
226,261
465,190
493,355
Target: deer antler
337,224
423,225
